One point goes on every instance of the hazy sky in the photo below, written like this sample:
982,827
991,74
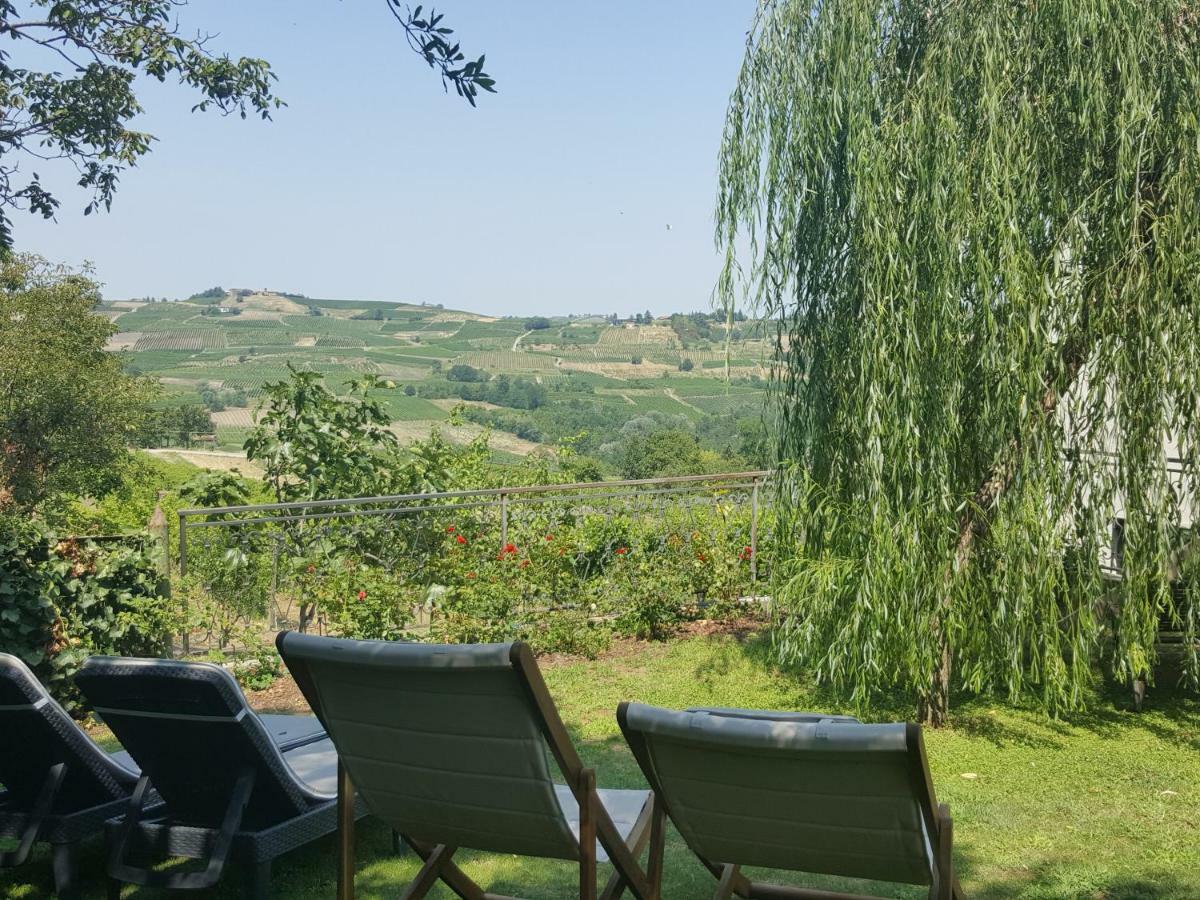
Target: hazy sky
552,196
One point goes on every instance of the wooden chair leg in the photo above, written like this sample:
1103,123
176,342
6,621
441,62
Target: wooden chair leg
345,834
658,840
452,876
944,883
587,835
641,834
430,872
729,876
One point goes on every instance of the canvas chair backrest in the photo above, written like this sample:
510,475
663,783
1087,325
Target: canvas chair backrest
444,743
832,797
39,734
190,729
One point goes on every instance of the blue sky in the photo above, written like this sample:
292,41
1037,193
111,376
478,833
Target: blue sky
553,196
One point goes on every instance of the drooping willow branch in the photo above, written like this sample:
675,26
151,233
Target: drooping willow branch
974,226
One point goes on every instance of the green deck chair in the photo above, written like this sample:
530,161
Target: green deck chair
799,792
448,746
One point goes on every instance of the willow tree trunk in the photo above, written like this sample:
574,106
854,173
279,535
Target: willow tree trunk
973,524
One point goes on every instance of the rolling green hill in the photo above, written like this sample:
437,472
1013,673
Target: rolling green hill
540,385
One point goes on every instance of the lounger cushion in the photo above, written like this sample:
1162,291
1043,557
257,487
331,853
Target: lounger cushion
292,731
316,765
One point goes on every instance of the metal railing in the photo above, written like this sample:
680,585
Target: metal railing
397,531
501,498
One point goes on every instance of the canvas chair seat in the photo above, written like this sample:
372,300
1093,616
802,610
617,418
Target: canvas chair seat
624,807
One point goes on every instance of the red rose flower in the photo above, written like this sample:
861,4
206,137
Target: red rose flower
460,539
549,537
362,595
510,548
449,529
470,574
746,553
621,551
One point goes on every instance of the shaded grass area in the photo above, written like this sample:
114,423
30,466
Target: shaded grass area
1106,806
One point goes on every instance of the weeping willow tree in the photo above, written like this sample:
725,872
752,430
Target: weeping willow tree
977,228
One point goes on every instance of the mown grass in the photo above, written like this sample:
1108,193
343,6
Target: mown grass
1103,807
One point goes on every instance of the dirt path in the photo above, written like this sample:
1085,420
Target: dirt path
520,337
670,392
210,459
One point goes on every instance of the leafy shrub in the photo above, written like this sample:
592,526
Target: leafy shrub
255,669
227,584
360,601
62,601
649,599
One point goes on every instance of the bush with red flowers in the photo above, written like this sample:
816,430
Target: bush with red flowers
562,578
360,601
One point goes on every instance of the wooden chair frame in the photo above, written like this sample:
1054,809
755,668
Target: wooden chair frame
732,883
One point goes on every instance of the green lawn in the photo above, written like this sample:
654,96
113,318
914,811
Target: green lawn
1105,807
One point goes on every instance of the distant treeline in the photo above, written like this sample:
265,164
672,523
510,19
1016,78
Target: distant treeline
469,383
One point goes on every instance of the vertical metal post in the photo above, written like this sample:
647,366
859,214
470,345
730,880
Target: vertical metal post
182,544
185,640
754,532
345,834
273,607
503,520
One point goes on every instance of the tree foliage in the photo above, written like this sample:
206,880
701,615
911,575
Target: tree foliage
67,408
314,444
975,225
67,86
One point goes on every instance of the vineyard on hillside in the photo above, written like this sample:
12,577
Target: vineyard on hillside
573,377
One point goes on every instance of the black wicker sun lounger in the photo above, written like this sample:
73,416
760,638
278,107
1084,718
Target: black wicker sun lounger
59,787
448,745
230,791
799,792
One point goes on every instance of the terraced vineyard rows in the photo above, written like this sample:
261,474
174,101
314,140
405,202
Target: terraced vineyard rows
507,361
192,339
